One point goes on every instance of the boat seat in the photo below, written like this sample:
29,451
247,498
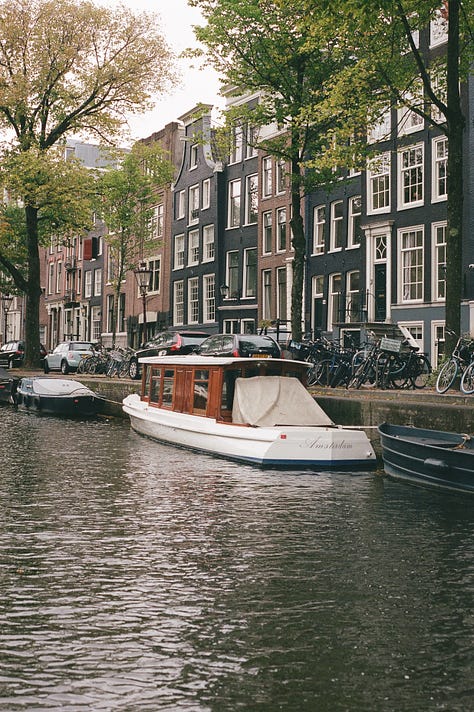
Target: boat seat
432,442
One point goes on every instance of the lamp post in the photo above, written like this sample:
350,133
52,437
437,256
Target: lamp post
143,275
7,300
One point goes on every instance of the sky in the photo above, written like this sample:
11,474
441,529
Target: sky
195,86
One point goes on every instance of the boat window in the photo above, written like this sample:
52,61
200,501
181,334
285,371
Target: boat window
154,385
168,382
147,382
228,387
201,389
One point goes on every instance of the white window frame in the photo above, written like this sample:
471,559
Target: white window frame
206,194
408,121
251,199
97,282
249,283
282,294
281,229
267,232
280,178
335,300
438,29
267,177
337,226
233,203
209,298
180,204
438,336
193,156
208,243
251,140
439,172
411,276
381,128
193,247
237,145
354,221
407,175
232,273
319,225
193,300
350,316
267,294
438,252
88,284
379,184
178,303
154,265
178,252
193,204
157,221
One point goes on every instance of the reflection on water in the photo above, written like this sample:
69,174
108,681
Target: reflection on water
135,576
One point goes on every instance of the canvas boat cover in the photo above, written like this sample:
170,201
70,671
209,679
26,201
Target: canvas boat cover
267,401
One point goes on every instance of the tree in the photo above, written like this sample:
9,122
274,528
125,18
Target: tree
393,69
70,67
265,47
125,200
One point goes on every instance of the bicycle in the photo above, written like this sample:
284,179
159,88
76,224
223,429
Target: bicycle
457,364
406,369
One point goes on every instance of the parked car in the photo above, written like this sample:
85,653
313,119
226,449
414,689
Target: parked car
12,353
67,355
164,343
240,345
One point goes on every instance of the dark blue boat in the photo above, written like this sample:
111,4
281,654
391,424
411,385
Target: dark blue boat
56,396
8,385
433,458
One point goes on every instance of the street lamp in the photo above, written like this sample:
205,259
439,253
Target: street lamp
224,290
143,275
7,300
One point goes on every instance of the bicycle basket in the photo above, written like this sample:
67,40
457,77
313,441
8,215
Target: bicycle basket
392,345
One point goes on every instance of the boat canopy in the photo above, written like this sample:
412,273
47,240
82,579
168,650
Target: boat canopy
268,401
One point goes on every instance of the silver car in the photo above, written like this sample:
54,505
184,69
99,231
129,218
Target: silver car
67,355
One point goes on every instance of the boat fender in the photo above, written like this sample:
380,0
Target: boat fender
435,464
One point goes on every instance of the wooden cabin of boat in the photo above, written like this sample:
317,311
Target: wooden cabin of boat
203,386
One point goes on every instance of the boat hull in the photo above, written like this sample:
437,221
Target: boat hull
289,447
56,397
428,457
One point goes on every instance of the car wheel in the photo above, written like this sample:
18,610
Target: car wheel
64,367
133,370
45,366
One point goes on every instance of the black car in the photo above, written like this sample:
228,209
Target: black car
12,353
240,345
164,343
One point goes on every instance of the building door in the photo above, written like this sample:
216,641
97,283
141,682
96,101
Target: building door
380,292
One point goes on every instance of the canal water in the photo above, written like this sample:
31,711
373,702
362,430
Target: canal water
135,576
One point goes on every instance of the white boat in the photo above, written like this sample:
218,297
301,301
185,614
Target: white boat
255,410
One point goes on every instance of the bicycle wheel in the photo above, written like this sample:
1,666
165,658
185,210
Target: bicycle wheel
467,380
311,375
82,365
447,375
395,375
323,372
421,372
111,368
123,368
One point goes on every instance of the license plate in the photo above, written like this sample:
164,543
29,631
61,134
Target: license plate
260,355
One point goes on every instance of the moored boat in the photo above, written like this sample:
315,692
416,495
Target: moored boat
433,458
255,410
8,386
56,396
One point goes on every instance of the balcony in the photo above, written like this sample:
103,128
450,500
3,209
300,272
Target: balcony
70,299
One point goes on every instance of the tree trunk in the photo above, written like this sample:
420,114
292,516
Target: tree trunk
33,291
455,132
299,246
